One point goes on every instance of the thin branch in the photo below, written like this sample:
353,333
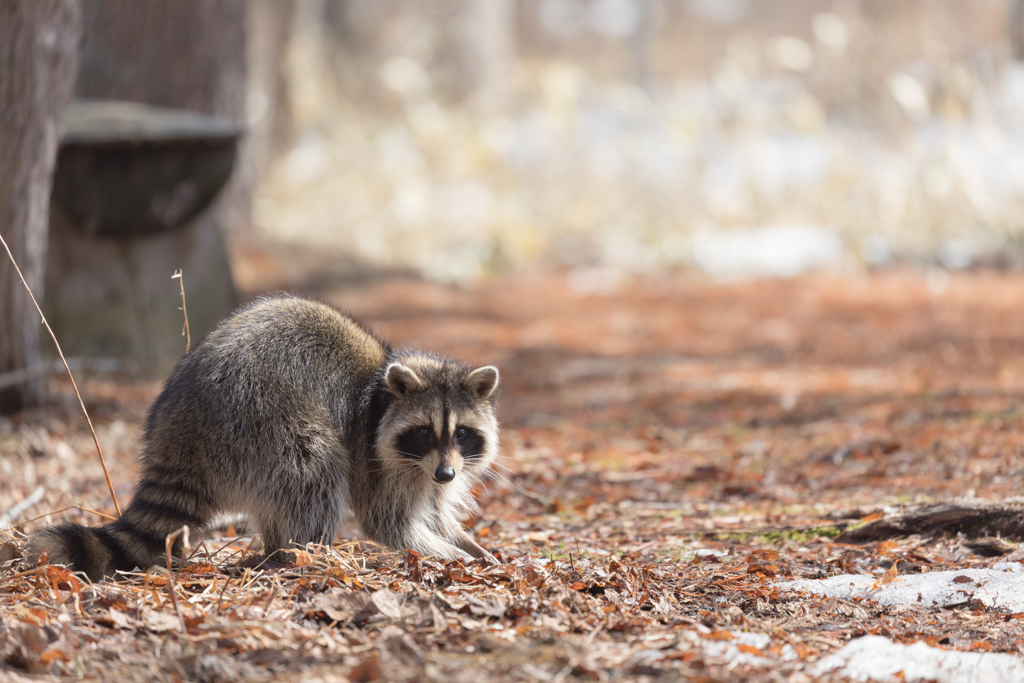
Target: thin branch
169,541
184,331
72,507
95,440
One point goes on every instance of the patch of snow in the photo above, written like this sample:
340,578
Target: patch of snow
1001,587
730,651
874,658
779,251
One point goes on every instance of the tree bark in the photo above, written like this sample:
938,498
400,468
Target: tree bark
39,41
970,517
1017,29
271,23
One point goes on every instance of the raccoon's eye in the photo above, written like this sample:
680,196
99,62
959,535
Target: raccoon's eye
460,433
423,432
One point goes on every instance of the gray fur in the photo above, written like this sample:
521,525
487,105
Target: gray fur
292,414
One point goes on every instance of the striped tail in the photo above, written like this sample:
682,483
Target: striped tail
94,551
137,539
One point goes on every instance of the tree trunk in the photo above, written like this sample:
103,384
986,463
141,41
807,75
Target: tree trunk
1017,29
271,23
39,42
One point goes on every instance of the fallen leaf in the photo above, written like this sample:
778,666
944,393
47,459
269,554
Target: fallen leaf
33,638
889,575
440,623
387,603
121,620
719,635
885,546
160,621
492,608
302,558
51,656
9,551
366,671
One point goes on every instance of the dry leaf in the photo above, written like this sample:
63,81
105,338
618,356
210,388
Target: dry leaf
302,558
440,623
387,603
9,551
160,621
121,620
719,635
51,656
492,608
890,574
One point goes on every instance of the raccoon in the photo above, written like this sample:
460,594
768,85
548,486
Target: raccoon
298,417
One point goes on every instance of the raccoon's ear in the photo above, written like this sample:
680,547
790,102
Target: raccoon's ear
482,382
401,379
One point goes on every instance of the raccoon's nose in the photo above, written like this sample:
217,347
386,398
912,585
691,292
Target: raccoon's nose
444,473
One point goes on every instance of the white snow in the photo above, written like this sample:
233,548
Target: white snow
874,658
729,651
1001,587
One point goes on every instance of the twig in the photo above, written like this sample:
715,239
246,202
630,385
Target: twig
21,575
95,440
225,587
28,502
184,331
72,507
169,541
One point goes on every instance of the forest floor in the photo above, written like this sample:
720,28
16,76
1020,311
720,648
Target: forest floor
674,448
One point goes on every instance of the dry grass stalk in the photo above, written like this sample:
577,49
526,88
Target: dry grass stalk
184,331
95,440
71,507
171,538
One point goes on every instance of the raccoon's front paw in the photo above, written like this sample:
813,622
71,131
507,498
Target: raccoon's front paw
474,549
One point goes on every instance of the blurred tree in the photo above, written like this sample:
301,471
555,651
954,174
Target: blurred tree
479,51
271,23
39,42
467,46
1017,29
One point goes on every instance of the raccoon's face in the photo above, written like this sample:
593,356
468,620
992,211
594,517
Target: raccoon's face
440,424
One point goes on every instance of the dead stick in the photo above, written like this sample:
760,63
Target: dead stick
169,541
71,507
22,575
185,331
95,440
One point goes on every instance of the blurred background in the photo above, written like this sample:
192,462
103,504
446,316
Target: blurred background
465,141
460,139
